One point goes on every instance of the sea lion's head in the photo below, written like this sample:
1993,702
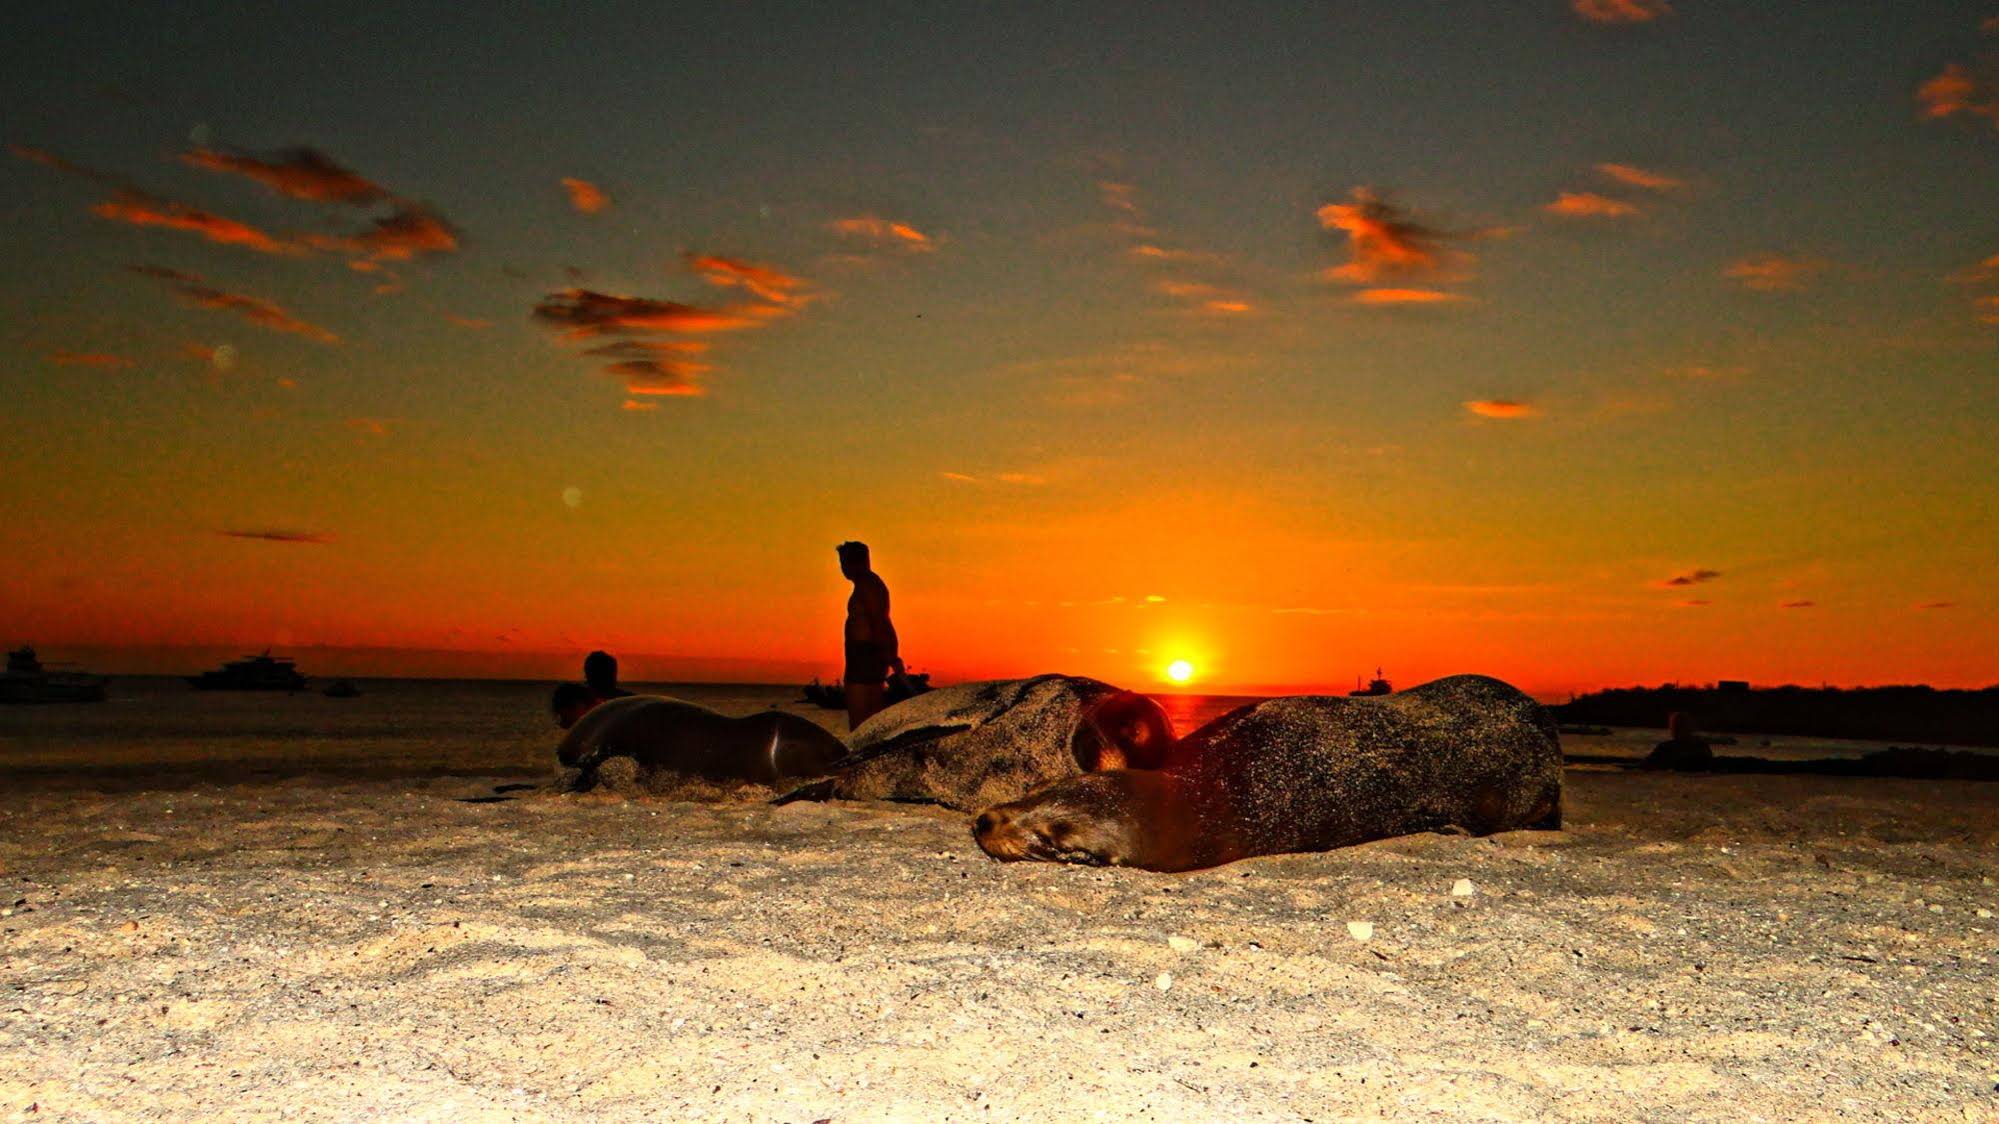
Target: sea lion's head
1125,817
1124,730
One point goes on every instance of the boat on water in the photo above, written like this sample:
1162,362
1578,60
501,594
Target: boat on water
251,673
342,689
833,696
1375,686
27,680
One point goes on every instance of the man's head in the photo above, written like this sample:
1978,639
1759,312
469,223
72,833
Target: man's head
570,702
600,669
853,558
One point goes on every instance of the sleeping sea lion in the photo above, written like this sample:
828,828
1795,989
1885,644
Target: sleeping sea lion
668,738
973,745
1304,774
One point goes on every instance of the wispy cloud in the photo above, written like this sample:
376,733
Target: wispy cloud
1691,577
648,341
1621,11
201,294
412,230
1385,242
770,283
373,427
1633,176
1984,273
1776,273
1704,371
1958,90
1937,605
1119,375
1407,296
1589,204
301,173
634,405
1018,479
140,209
585,196
1799,605
472,322
585,313
884,233
1502,408
100,359
52,161
307,538
1162,255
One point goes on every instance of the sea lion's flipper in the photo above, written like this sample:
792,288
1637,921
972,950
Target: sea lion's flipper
921,735
817,790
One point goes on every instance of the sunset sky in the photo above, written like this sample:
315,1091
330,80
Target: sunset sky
1586,343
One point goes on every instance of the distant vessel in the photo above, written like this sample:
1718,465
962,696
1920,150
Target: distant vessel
342,689
833,696
27,681
251,673
1375,686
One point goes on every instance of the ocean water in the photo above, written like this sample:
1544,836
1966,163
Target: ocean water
160,733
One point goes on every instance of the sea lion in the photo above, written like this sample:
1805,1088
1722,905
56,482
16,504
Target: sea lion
1303,774
669,739
974,745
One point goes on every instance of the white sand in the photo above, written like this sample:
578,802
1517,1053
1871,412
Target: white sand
1743,948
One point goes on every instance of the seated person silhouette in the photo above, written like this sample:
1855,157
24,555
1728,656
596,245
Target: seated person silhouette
600,674
571,702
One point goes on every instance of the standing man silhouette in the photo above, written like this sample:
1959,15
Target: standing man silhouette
871,645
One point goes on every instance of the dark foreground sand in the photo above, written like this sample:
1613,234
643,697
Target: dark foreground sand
1734,948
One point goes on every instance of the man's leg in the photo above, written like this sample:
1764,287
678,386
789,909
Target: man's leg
863,700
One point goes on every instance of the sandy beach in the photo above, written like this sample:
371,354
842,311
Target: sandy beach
251,942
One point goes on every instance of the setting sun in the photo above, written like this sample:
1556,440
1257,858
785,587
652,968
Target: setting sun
1179,671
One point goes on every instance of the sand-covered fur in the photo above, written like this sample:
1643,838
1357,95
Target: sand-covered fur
977,744
1306,773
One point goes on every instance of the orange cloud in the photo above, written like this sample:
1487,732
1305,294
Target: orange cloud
1691,577
1588,204
408,232
1146,252
1621,11
1383,241
585,196
648,349
1938,605
474,322
633,404
1501,408
89,359
1632,176
900,235
49,159
1121,197
373,427
1988,309
301,173
1799,605
1957,90
773,285
659,377
1775,273
141,209
582,313
199,293
310,538
1406,296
